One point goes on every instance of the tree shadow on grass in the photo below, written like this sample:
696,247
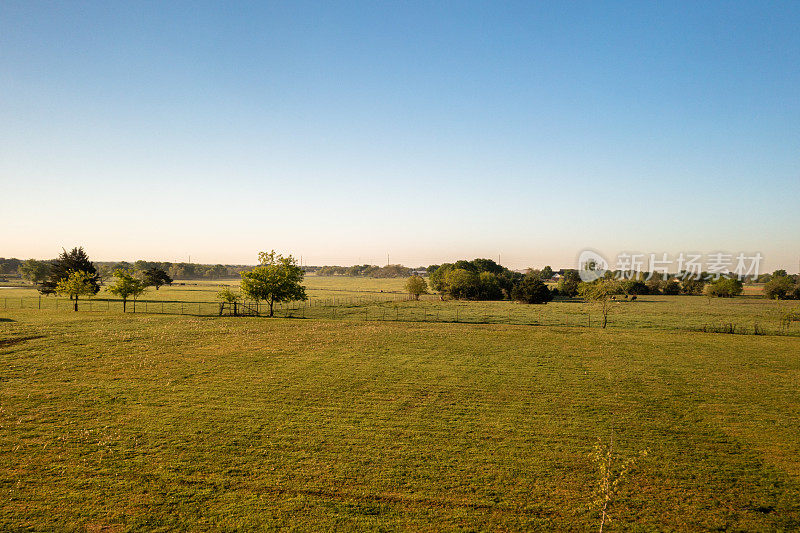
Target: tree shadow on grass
5,343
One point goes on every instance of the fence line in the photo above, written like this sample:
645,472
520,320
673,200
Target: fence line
345,308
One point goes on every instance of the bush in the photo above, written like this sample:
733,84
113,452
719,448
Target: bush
671,288
416,286
634,286
568,284
489,287
725,288
781,288
531,290
461,283
692,286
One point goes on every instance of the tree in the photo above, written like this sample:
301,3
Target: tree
75,260
532,290
489,287
34,271
77,283
229,297
780,288
692,285
416,285
461,283
725,288
546,273
126,286
671,287
600,292
568,284
437,278
276,279
155,277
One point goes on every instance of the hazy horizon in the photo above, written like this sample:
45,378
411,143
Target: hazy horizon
431,132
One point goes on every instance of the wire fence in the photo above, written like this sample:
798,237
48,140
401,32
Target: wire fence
399,308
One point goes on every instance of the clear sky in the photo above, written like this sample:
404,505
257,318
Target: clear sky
432,131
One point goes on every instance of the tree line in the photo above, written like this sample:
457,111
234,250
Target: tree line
369,271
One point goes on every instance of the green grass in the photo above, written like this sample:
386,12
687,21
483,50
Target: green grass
148,422
361,299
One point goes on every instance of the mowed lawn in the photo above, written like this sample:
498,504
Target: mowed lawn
150,422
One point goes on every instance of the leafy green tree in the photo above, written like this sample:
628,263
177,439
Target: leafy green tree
532,290
155,277
725,288
416,285
126,285
781,273
568,284
693,286
780,288
276,279
77,283
34,271
600,293
489,287
461,283
634,286
671,287
75,260
486,265
231,298
437,278
546,273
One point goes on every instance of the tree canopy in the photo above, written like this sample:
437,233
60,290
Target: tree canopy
532,290
276,279
34,271
416,285
76,260
155,277
76,283
126,285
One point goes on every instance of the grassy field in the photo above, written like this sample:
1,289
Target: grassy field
113,422
384,300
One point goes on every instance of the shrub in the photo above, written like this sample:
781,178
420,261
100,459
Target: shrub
780,288
532,290
416,285
725,288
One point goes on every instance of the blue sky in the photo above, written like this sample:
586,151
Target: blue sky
432,131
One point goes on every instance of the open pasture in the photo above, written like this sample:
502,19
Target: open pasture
369,299
154,422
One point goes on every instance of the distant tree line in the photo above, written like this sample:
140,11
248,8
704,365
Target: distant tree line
369,271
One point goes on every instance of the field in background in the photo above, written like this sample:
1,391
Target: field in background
347,298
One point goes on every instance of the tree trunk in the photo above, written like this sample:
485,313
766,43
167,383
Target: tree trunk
75,304
271,303
124,304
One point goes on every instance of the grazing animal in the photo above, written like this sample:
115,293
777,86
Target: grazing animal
633,297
